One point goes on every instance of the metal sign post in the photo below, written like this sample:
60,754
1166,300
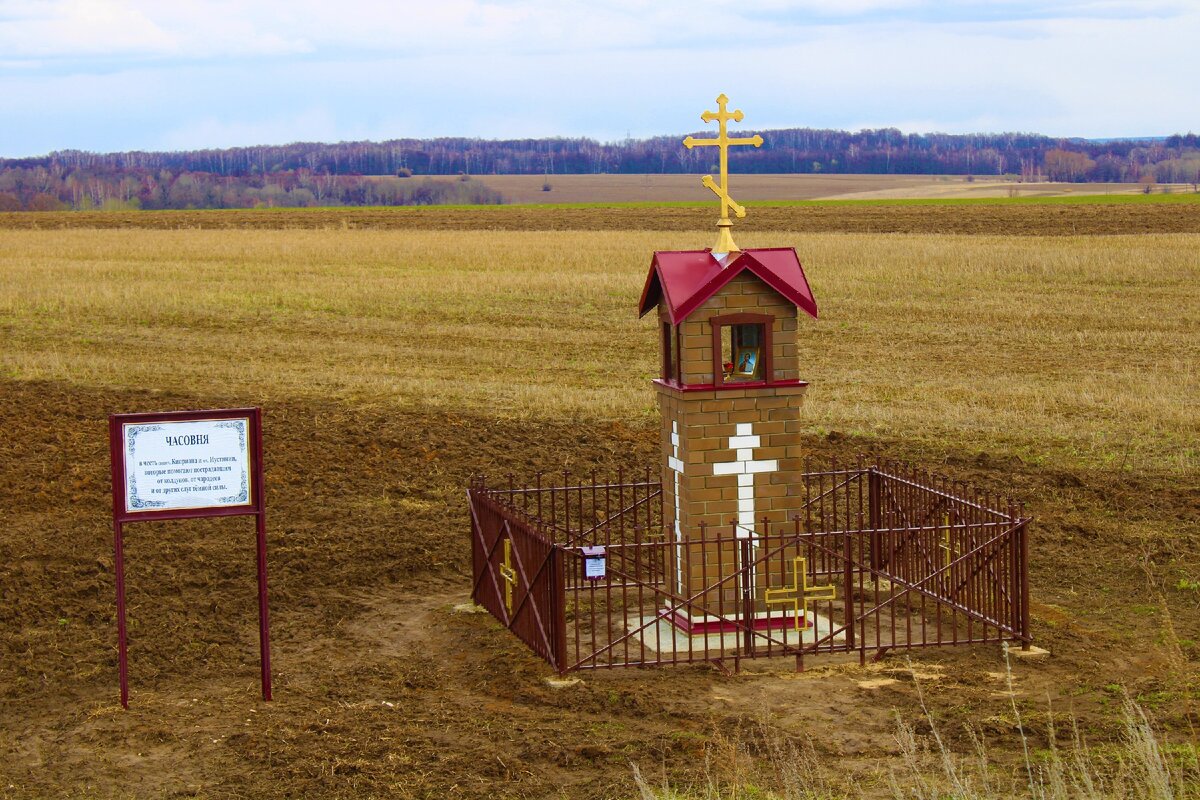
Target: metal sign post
187,465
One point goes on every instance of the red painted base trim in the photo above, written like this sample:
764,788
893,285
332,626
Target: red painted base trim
773,622
728,387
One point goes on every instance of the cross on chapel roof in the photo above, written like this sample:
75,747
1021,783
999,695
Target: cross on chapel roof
723,142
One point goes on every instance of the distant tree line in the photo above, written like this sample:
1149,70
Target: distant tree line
348,173
58,186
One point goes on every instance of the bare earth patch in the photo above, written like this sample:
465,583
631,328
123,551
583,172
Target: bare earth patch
384,688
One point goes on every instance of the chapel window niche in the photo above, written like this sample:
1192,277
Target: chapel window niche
670,353
741,349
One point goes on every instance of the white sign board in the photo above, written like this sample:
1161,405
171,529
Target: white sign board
593,563
182,465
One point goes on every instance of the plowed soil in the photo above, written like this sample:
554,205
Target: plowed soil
1049,219
384,689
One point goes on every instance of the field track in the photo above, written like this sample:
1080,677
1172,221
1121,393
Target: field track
1025,219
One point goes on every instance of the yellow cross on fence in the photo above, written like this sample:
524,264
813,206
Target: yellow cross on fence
799,593
948,551
509,575
723,142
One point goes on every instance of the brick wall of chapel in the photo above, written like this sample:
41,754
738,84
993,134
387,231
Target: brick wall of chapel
746,293
706,421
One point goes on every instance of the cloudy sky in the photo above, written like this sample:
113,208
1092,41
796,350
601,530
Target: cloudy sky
178,74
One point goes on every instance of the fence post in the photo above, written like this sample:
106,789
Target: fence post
1024,530
558,594
874,510
476,550
747,597
848,591
1015,614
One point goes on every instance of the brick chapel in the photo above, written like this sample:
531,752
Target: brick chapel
729,390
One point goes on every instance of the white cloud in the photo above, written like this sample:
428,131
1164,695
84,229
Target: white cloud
182,29
196,29
79,28
189,74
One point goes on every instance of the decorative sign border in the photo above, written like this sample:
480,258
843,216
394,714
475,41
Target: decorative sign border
135,503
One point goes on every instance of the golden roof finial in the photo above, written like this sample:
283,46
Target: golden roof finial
724,243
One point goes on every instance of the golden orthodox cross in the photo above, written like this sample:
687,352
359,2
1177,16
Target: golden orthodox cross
509,575
799,593
722,143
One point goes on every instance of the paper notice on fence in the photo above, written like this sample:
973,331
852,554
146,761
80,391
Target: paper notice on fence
182,465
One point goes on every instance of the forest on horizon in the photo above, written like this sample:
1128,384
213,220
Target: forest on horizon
402,171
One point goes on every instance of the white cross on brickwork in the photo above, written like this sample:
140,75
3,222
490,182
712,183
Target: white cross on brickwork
677,467
745,467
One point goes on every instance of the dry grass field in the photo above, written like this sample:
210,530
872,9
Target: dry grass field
394,363
1080,347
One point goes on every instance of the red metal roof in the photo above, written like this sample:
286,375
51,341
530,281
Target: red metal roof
684,279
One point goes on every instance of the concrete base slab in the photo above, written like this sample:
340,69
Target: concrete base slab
1032,654
661,636
469,608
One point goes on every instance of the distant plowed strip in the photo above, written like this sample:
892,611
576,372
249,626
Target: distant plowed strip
1033,219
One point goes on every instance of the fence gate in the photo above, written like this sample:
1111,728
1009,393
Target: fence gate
517,576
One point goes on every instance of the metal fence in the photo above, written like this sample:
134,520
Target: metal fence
880,557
